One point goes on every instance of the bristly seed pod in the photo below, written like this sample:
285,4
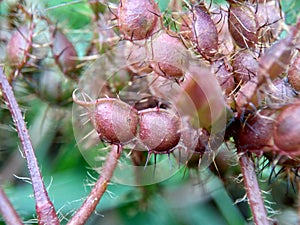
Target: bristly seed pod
204,32
275,60
115,121
160,130
19,45
256,135
287,130
294,74
63,51
169,56
138,19
245,66
243,25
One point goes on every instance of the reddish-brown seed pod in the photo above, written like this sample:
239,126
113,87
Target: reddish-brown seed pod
256,134
247,96
243,25
287,130
279,94
19,45
138,19
169,56
201,30
205,32
136,54
201,98
270,21
223,72
245,66
275,60
115,121
294,74
225,41
63,51
159,130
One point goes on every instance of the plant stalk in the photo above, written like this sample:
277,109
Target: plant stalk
7,210
45,210
255,199
89,205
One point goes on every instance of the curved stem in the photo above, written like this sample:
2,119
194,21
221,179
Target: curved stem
7,211
44,207
89,205
255,199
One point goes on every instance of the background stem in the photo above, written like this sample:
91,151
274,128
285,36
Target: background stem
7,211
44,207
253,191
89,205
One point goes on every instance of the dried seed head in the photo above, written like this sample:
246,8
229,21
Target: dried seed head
138,19
115,121
243,25
159,130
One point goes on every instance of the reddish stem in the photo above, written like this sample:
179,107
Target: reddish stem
44,207
89,205
7,211
253,191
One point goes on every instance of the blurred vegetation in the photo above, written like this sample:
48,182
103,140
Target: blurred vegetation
187,198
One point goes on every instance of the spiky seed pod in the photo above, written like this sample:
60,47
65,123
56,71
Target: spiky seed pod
275,60
294,73
160,130
243,25
279,94
203,32
63,51
270,21
286,131
19,45
169,56
226,43
256,134
138,19
223,72
245,66
115,121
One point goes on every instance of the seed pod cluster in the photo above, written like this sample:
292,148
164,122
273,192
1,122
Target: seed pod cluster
116,122
274,131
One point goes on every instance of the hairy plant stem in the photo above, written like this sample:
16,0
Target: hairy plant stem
89,205
7,211
45,210
255,199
